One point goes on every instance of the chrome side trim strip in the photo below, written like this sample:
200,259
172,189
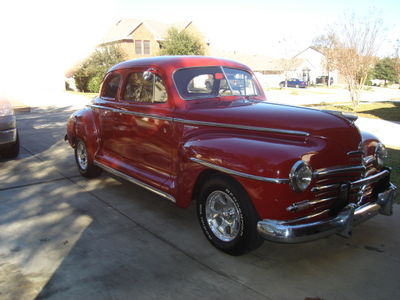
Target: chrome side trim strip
133,113
203,123
135,181
237,173
244,127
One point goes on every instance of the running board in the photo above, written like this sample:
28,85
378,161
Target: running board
135,181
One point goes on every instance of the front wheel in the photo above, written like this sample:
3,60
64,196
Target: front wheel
85,167
227,217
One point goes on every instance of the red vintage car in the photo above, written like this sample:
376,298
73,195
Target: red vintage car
200,129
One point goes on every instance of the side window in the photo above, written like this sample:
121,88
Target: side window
138,89
110,88
160,93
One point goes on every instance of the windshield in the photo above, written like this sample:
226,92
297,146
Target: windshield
206,82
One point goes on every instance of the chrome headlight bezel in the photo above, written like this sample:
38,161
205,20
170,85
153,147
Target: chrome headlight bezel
300,176
380,155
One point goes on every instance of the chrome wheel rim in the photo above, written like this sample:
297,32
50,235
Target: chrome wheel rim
81,155
223,216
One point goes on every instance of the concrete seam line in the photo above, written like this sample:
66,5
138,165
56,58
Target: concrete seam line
34,183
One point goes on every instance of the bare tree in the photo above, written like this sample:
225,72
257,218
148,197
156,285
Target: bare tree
397,59
287,65
326,44
356,42
288,62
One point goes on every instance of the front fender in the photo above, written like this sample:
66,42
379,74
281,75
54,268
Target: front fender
269,158
370,142
266,158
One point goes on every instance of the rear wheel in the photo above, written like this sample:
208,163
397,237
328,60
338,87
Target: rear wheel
227,217
85,167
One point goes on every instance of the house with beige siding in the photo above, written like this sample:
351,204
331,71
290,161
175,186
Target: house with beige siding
137,38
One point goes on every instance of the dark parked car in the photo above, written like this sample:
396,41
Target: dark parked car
293,82
200,129
323,80
9,141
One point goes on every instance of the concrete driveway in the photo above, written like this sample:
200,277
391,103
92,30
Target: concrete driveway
65,237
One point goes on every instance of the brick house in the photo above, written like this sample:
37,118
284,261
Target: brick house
138,38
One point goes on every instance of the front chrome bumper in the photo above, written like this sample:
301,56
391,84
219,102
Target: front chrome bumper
8,136
283,231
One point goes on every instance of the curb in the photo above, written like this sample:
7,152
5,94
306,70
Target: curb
22,109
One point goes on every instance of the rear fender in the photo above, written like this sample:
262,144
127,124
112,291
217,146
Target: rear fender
82,125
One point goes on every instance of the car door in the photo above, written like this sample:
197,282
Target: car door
143,132
104,107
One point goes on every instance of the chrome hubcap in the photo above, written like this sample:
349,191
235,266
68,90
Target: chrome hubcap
223,216
81,154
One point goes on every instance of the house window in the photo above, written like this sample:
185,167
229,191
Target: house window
146,47
138,46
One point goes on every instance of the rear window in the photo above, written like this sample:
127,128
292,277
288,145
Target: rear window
110,86
206,82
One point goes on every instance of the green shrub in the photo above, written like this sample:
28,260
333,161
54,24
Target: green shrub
181,43
93,69
94,84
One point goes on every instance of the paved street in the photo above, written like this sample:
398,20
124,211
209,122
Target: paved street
65,237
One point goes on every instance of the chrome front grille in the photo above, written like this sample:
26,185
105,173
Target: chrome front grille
328,182
333,188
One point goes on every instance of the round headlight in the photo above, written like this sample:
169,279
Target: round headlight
300,176
380,154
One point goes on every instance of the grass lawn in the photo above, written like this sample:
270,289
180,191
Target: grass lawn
87,95
389,111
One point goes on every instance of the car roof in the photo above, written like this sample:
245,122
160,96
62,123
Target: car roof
178,62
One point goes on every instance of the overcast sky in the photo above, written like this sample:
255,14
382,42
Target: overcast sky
47,36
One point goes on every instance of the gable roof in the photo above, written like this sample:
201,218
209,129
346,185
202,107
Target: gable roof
257,62
123,29
310,48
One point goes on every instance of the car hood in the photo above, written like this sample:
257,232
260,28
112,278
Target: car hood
290,120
